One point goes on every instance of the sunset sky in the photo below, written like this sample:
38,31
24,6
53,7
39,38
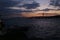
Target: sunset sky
43,4
9,7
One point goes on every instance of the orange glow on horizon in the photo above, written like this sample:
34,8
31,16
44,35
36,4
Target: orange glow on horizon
35,14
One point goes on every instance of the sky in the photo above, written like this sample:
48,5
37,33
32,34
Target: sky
43,3
16,4
8,7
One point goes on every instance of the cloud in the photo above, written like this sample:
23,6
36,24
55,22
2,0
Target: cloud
16,8
7,3
9,7
19,3
31,6
55,3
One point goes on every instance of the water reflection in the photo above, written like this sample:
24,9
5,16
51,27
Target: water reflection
37,27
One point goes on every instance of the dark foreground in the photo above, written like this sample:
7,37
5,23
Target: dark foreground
17,34
32,29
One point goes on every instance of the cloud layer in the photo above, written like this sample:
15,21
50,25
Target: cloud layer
55,3
8,7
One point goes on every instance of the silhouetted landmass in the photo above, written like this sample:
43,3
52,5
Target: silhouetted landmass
57,16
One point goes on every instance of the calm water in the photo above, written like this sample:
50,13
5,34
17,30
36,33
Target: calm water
39,28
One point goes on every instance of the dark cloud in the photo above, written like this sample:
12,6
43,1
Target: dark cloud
55,3
31,6
8,3
5,4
